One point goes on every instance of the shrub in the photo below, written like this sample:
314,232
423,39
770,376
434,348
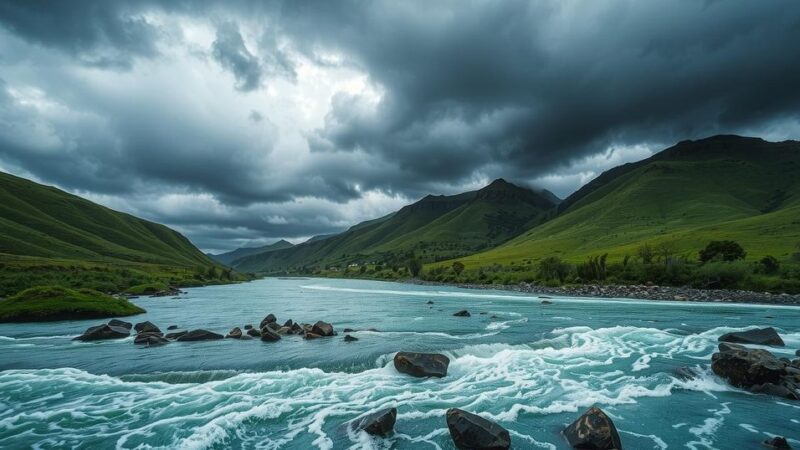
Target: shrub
722,251
594,268
769,265
553,268
458,267
721,275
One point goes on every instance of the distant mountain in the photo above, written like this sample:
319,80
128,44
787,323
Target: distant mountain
45,222
229,257
433,228
723,187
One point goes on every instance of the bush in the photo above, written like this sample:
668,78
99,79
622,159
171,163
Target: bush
594,268
553,268
721,275
722,251
769,265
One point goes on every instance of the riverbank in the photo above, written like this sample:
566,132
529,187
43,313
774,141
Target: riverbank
635,292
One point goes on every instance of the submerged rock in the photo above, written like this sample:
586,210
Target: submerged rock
462,313
200,335
472,432
421,364
175,334
430,302
760,336
146,327
309,335
349,338
120,323
379,423
103,332
686,373
151,339
248,327
322,328
267,335
777,442
172,327
235,333
348,330
593,430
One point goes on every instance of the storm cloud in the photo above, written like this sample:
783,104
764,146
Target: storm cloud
243,122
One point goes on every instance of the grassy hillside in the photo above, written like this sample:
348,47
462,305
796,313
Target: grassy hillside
725,187
229,257
434,228
57,303
49,236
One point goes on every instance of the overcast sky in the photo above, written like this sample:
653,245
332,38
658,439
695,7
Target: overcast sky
239,123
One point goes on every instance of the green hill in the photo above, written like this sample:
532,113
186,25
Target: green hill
51,236
724,187
434,228
229,257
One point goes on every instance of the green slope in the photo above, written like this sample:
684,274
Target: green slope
433,228
50,236
229,257
725,187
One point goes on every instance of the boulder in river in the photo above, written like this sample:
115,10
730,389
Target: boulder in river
288,323
272,326
777,442
421,364
172,327
200,335
120,323
269,319
309,335
760,336
267,335
348,330
175,334
430,302
283,331
150,339
297,329
252,332
322,328
473,432
146,327
248,327
546,302
348,338
379,423
757,370
235,333
593,430
103,332
462,313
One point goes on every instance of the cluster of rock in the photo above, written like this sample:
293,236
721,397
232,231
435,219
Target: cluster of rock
592,430
755,369
269,330
644,291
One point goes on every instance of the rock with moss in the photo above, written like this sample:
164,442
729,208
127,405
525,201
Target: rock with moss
51,303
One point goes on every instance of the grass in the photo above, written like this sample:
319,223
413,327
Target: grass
50,303
146,289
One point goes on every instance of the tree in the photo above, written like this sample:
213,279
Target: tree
722,251
645,253
212,272
458,267
553,268
665,251
769,265
414,266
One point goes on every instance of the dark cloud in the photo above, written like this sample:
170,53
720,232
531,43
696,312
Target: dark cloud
229,50
448,95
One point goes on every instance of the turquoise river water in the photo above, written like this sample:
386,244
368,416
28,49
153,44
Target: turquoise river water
533,368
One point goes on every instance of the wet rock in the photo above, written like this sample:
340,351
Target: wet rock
297,329
686,373
310,336
797,353
252,332
322,328
151,339
235,333
246,337
348,330
273,326
379,423
744,367
283,331
593,430
172,327
546,302
146,327
175,334
269,319
200,335
268,335
120,323
777,442
778,390
421,364
462,313
349,338
472,432
430,302
103,332
760,336
248,327
289,323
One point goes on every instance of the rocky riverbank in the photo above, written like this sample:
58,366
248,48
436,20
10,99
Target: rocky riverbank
646,292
